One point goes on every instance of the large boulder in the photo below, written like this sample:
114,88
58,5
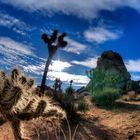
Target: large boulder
110,60
110,72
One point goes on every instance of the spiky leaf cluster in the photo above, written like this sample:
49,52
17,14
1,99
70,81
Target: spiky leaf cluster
19,100
54,37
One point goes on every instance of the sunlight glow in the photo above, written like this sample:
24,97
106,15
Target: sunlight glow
59,66
66,77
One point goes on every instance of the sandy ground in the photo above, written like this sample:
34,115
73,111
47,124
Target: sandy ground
113,124
5,130
96,124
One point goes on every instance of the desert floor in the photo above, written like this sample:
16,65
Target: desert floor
96,124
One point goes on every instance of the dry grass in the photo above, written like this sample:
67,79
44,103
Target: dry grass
131,96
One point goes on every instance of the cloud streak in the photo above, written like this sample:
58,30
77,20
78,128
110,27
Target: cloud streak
13,23
90,62
88,9
75,46
14,54
13,46
133,65
22,56
101,35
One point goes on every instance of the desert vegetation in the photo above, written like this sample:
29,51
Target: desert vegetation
41,112
19,102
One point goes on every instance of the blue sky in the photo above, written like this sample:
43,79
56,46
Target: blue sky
92,27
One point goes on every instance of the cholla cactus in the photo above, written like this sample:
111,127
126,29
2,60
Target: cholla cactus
18,101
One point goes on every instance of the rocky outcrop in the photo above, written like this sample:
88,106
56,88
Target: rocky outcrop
110,72
110,60
133,86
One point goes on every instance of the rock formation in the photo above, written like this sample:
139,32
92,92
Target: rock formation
109,72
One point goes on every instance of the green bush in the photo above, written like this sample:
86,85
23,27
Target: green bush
69,90
106,79
68,102
83,106
106,97
97,81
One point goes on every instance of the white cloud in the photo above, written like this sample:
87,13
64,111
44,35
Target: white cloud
13,23
101,34
38,68
57,71
74,46
13,53
87,9
9,44
59,66
19,31
133,65
135,77
66,77
17,54
90,62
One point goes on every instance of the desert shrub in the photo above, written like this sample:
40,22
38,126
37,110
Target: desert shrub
106,79
97,82
69,90
106,97
68,102
83,106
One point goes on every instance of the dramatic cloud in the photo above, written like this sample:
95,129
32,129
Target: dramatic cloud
56,71
90,62
66,77
13,53
38,68
100,35
133,65
13,23
74,46
22,56
87,9
11,45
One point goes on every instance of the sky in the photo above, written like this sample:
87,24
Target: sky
92,27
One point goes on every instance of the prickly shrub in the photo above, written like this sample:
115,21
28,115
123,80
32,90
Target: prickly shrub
83,106
18,101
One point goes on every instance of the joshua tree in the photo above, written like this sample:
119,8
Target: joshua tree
57,84
54,42
71,81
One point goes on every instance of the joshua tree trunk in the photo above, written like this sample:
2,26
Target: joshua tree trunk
45,73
